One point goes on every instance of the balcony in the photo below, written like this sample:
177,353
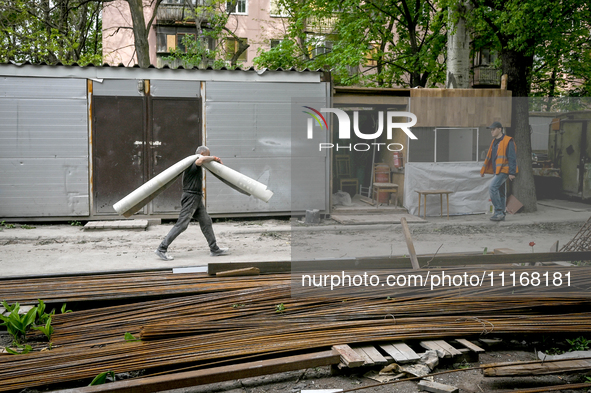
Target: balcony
485,76
175,13
322,26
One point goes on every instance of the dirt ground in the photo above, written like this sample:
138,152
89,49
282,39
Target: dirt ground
56,249
468,381
61,248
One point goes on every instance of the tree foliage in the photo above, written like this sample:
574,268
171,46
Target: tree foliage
50,31
214,44
536,39
533,38
377,42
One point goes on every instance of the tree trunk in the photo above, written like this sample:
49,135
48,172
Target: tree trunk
458,51
242,46
552,90
518,69
140,32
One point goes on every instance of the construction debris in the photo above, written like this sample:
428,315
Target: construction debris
381,377
535,368
437,387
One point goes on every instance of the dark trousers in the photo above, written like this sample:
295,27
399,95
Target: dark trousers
191,207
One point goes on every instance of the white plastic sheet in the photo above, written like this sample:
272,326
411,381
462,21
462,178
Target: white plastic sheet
470,191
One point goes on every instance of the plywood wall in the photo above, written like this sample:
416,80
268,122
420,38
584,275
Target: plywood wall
460,107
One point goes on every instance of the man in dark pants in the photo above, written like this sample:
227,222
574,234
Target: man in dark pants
500,161
192,207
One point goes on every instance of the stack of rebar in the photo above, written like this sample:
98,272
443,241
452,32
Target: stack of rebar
228,320
581,241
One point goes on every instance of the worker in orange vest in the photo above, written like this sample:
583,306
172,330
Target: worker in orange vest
500,161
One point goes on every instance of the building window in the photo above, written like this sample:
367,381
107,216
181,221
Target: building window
275,43
232,47
277,10
448,144
175,41
238,7
169,38
322,47
371,56
485,57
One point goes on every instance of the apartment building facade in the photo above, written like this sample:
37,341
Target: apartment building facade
258,23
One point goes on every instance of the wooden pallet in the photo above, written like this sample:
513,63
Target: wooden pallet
467,350
370,355
401,353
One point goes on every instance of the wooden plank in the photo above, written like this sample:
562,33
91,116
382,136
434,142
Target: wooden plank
367,361
407,351
411,248
436,387
349,357
366,200
247,271
443,344
264,267
535,368
470,345
396,355
216,374
553,388
374,354
435,346
399,357
498,251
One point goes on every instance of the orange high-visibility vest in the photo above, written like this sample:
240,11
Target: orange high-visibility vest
502,161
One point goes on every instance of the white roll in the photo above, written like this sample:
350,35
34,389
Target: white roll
137,199
245,183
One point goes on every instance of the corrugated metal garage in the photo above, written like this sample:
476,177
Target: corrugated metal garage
74,140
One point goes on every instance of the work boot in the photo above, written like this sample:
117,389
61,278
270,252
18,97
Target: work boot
218,252
164,255
498,218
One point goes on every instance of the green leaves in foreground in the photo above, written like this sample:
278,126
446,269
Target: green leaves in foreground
23,349
102,378
18,324
47,329
130,337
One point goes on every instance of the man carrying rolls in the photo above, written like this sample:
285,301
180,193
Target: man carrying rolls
192,207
